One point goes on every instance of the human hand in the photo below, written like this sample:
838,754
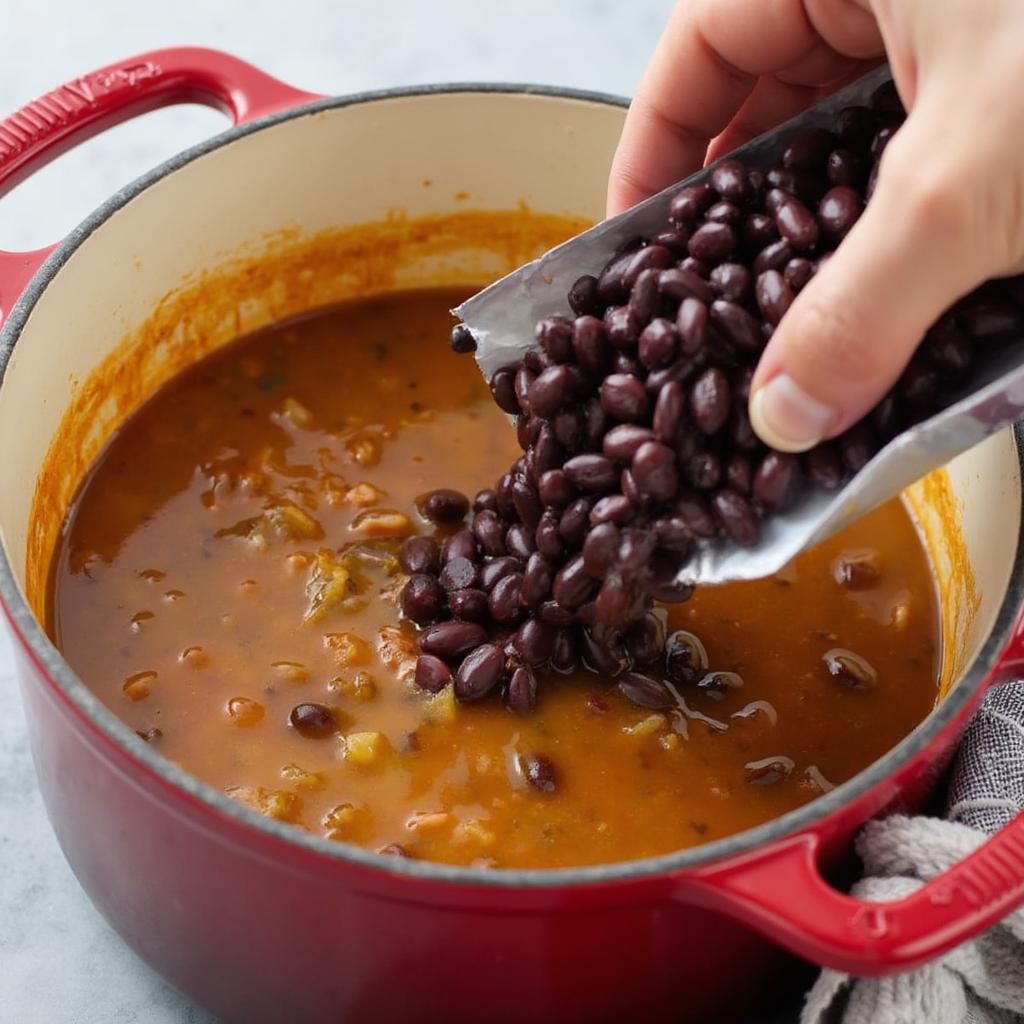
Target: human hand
948,208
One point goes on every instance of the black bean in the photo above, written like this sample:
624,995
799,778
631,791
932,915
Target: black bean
462,340
503,497
623,362
703,471
737,325
572,585
758,231
778,197
690,202
710,400
680,284
423,598
644,297
674,238
694,266
808,151
540,773
723,213
685,658
460,544
732,281
614,508
774,296
606,659
948,348
887,417
458,573
645,691
505,600
314,721
692,325
550,391
548,452
537,579
741,431
650,257
592,472
849,669
739,474
857,446
489,531
711,243
775,481
420,554
521,696
798,272
583,296
470,605
624,397
989,320
882,139
535,641
886,100
448,640
520,541
855,127
565,656
661,578
554,335
658,343
654,470
629,487
919,383
553,613
480,672
536,362
599,549
823,467
621,442
443,506
838,210
692,508
773,257
846,168
523,380
645,640
555,489
672,534
797,225
548,535
569,427
590,345
621,327
503,389
736,517
635,548
729,180
527,503
493,570
610,286
668,414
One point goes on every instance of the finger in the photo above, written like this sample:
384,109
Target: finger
853,328
706,64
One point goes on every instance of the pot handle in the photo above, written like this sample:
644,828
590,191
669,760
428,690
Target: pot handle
48,126
781,893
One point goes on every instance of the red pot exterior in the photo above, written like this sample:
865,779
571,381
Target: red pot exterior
261,929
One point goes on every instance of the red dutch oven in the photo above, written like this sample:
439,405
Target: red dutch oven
261,922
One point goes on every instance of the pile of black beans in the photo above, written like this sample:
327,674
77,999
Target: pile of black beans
632,417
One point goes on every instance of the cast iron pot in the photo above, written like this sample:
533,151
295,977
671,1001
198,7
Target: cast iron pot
260,922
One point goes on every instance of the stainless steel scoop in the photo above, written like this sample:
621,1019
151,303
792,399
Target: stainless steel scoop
502,318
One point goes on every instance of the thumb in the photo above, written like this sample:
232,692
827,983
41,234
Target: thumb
851,331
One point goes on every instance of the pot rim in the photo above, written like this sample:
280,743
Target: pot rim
65,681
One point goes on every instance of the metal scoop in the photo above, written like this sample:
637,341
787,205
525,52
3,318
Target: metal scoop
502,318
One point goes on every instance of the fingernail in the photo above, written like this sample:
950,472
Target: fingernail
785,417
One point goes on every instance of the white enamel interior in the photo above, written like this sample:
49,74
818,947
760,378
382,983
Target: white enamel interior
358,163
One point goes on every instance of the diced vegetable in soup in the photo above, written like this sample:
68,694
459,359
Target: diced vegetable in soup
230,584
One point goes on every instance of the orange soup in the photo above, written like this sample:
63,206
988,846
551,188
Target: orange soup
233,554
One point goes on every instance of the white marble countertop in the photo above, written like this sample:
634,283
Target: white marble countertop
59,961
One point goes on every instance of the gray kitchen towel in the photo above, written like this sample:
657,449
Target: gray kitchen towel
982,981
